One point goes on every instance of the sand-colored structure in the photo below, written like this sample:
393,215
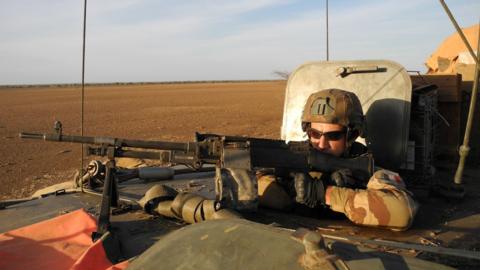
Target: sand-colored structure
452,55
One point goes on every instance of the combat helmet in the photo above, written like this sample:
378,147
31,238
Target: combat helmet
335,106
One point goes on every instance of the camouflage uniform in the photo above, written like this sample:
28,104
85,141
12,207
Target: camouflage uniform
384,203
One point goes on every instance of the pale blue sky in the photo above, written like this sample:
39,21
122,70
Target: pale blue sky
152,40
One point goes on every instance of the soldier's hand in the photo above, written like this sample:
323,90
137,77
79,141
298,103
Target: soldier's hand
308,191
343,178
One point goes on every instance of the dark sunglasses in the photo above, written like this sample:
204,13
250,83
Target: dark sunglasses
331,135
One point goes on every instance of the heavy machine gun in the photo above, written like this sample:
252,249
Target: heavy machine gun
225,152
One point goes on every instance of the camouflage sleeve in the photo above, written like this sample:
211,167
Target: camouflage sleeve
271,194
385,203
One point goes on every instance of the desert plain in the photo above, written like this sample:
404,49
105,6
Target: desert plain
169,112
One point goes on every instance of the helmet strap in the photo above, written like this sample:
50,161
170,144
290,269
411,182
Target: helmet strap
350,137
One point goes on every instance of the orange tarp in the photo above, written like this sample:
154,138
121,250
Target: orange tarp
63,242
452,51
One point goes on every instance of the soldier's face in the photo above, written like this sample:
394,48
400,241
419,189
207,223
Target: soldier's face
328,138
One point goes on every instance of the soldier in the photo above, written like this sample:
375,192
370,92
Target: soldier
333,119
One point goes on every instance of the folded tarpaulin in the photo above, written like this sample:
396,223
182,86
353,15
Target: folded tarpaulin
63,242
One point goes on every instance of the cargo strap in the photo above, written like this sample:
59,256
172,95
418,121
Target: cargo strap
189,207
156,195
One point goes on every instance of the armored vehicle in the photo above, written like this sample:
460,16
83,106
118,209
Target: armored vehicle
114,217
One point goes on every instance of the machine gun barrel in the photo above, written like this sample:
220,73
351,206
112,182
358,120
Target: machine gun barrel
158,145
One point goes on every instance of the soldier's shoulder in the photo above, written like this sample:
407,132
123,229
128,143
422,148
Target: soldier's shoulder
386,179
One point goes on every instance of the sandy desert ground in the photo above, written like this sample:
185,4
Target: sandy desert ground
170,112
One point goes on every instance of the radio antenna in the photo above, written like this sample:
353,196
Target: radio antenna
326,11
83,87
